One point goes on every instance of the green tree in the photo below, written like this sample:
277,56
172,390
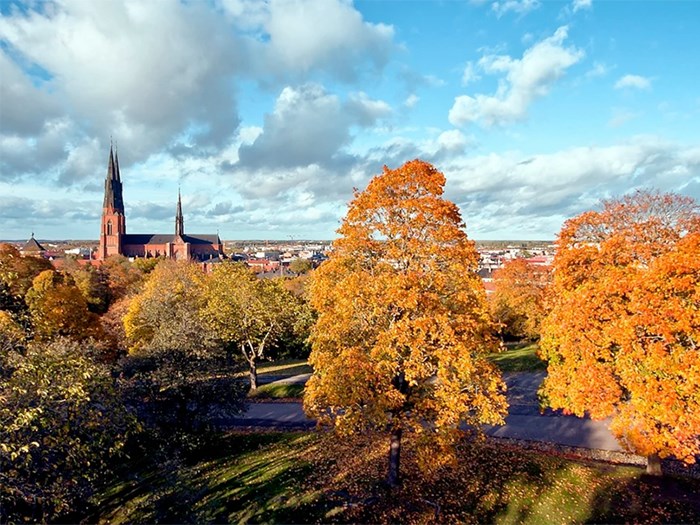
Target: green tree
177,372
61,426
251,314
300,266
403,326
93,284
12,339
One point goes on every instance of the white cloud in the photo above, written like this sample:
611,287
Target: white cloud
521,193
453,141
633,82
163,74
365,110
516,6
526,79
327,34
578,5
309,126
118,69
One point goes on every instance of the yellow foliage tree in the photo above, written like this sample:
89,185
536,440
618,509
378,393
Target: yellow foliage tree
622,334
166,314
58,308
403,326
518,300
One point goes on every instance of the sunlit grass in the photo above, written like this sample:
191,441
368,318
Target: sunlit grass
519,359
278,391
287,367
309,477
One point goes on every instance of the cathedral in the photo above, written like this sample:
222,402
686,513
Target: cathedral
115,241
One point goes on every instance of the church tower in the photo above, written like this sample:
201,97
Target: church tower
113,225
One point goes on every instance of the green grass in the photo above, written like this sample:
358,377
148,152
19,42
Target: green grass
238,478
312,477
521,358
287,367
278,391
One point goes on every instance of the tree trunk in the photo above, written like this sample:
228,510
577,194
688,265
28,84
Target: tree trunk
654,465
253,373
393,478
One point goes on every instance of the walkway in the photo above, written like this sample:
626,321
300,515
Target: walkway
523,422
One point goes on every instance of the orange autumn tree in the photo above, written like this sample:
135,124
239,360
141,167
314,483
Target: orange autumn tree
622,336
403,326
517,303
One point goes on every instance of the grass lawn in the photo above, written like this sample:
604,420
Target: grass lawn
520,358
285,367
278,391
309,477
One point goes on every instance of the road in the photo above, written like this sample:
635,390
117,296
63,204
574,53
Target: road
524,420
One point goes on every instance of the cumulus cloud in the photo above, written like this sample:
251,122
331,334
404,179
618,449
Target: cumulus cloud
633,82
520,7
24,106
159,75
118,66
27,214
526,79
326,34
540,191
309,126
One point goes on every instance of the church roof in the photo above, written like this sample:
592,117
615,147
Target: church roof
202,239
32,245
164,238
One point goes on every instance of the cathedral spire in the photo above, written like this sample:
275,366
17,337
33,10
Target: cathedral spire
116,163
179,220
113,186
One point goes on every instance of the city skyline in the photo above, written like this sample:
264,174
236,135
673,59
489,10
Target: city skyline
267,115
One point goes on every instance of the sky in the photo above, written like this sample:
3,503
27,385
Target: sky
266,115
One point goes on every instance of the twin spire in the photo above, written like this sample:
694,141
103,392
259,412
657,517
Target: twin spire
113,192
113,185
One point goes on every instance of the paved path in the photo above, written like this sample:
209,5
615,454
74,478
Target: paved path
523,422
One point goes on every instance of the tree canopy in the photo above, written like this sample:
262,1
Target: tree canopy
518,302
622,334
58,308
177,372
251,314
403,325
62,423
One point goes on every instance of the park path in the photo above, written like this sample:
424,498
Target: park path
524,420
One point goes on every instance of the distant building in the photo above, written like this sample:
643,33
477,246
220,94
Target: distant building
115,241
32,247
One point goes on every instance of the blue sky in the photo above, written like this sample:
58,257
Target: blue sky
268,114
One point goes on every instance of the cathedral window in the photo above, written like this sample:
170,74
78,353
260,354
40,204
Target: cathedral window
109,227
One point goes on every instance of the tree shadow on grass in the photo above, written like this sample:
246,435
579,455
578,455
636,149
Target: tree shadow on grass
232,478
494,483
648,499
